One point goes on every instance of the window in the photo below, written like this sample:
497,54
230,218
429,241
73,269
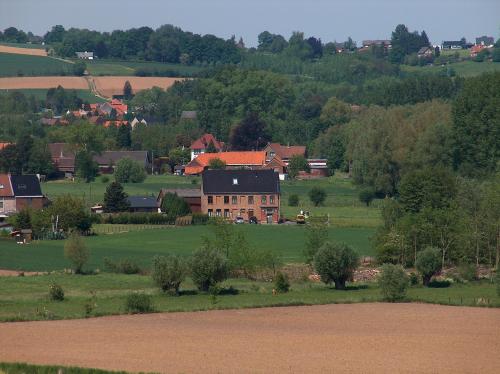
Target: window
226,213
1,186
210,199
263,199
235,181
272,154
271,199
218,212
250,200
234,199
226,199
1,204
210,212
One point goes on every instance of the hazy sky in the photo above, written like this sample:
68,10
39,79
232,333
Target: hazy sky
329,20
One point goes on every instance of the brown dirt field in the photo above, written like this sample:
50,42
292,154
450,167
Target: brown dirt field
109,86
77,83
23,51
352,338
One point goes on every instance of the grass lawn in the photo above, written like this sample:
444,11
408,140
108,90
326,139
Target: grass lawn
12,65
463,69
119,67
41,94
26,298
142,246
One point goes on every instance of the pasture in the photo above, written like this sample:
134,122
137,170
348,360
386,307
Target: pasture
121,67
14,65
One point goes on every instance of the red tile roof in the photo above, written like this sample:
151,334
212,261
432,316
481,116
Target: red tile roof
286,152
204,141
5,186
4,145
230,158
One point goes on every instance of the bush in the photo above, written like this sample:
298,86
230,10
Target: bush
56,293
317,195
293,200
200,219
428,263
336,262
208,267
129,171
281,283
174,206
316,236
169,272
467,272
76,252
139,303
439,284
104,179
393,282
413,279
123,266
366,195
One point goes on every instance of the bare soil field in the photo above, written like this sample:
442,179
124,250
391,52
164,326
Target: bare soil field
351,338
19,83
23,51
109,86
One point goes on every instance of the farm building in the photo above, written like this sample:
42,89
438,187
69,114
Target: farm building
108,159
192,196
63,158
85,55
144,204
284,152
241,193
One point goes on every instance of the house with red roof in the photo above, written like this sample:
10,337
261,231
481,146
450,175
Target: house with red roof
284,152
18,192
199,146
233,160
63,158
4,145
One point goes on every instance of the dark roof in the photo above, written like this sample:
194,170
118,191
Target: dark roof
142,202
112,157
248,181
182,192
189,114
25,185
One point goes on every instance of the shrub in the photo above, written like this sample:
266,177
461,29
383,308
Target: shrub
104,179
467,272
393,282
366,195
56,293
139,303
428,263
293,200
317,195
439,283
316,236
413,279
208,267
129,171
336,262
281,283
123,266
200,219
76,252
168,272
174,206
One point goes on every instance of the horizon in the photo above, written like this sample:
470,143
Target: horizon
224,18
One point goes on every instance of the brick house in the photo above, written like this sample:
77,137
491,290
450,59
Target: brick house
18,192
241,193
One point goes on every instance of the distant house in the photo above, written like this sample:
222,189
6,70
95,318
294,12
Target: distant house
189,114
54,121
135,122
241,193
485,41
18,192
192,196
105,109
199,146
386,43
278,165
454,44
63,158
85,55
476,49
425,52
318,168
4,145
284,152
108,159
233,160
144,204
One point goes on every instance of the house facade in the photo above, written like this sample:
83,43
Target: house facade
18,192
199,146
241,193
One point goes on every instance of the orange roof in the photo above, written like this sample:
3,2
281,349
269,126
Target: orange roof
115,123
5,186
230,158
4,145
119,106
287,152
204,141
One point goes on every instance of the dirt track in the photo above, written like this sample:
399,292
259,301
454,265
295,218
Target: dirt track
23,51
352,338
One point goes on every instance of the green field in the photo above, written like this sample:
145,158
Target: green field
26,45
119,67
463,69
12,65
40,94
26,298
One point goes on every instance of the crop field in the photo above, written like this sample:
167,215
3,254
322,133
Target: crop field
77,83
13,65
41,94
119,67
25,49
109,86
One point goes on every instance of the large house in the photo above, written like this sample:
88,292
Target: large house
241,193
284,152
107,160
485,40
63,158
233,160
199,146
18,192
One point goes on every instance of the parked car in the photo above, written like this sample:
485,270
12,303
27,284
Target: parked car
253,220
239,220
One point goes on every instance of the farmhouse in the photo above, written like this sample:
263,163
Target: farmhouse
425,52
63,158
144,204
85,55
192,196
108,159
241,193
485,40
199,146
18,192
285,153
233,160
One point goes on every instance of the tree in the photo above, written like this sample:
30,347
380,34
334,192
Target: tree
297,164
211,148
22,220
123,136
293,200
85,166
115,199
174,206
216,163
169,272
316,236
428,263
366,195
281,283
208,267
127,91
393,282
336,262
317,195
76,252
69,213
249,134
129,171
79,68
335,112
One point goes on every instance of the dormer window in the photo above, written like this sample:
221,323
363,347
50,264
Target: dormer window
2,186
21,186
235,181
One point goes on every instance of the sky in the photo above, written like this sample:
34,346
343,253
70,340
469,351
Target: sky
329,20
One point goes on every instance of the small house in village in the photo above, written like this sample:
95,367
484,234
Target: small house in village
63,158
241,193
233,160
425,52
18,192
85,55
199,146
143,204
107,160
284,152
